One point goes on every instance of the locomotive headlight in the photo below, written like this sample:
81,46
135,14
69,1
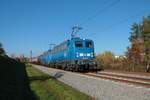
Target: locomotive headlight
81,54
88,54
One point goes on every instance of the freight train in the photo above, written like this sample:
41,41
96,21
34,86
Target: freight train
75,54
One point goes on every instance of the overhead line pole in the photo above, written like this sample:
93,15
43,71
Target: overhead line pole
31,56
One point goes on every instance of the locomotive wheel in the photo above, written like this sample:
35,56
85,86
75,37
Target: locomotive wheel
67,68
76,68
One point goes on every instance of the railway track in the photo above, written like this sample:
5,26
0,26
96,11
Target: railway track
139,81
100,88
125,78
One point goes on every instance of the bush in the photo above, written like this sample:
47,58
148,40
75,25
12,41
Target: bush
107,60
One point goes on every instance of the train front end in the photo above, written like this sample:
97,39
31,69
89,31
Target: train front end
84,54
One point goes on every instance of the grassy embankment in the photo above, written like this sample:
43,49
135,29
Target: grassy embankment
48,88
18,82
13,80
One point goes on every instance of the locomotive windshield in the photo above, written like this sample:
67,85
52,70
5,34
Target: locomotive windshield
89,44
79,44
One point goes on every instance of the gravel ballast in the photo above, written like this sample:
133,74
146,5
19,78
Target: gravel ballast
100,89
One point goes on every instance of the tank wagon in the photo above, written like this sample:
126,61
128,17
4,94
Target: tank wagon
75,54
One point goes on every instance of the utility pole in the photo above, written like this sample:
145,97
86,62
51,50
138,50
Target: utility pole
31,56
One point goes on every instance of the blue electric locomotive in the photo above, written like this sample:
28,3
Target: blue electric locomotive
75,54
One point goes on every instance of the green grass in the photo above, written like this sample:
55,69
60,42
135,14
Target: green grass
48,88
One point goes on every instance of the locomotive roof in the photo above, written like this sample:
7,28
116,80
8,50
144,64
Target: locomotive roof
75,38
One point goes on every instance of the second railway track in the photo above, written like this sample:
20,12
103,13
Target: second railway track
139,81
134,79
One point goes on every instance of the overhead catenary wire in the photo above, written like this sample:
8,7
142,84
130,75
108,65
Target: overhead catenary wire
121,21
114,24
99,12
84,17
124,20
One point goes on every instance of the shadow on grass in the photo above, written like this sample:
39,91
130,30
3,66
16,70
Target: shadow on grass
44,78
58,75
39,78
14,84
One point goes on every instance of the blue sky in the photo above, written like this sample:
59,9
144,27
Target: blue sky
33,24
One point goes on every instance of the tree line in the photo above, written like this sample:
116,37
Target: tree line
2,51
137,57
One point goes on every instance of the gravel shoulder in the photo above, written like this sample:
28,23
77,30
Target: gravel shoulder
100,89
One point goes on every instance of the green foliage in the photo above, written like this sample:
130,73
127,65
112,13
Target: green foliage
136,32
146,25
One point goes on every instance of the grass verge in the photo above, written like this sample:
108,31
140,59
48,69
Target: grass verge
48,88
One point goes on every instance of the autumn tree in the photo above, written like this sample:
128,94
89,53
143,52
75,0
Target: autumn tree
139,51
105,59
146,35
136,51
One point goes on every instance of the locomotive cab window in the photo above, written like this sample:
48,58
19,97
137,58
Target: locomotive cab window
79,44
89,44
